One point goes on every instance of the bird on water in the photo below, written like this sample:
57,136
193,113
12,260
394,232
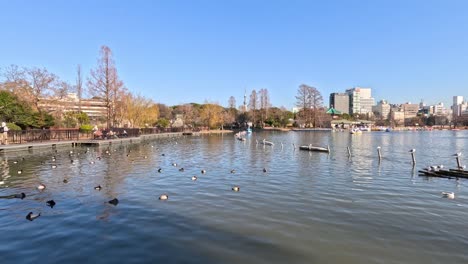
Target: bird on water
32,216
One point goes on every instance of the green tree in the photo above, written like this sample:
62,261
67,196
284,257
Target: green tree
15,111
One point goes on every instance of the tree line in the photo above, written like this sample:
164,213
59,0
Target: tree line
25,90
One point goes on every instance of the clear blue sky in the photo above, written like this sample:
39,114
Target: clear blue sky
191,51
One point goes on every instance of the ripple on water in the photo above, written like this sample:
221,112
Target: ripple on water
307,207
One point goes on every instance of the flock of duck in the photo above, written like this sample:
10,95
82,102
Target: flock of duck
163,197
51,203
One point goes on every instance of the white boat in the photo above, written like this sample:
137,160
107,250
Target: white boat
355,131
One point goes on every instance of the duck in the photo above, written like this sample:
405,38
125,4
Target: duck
51,203
233,171
174,164
20,171
91,162
160,170
65,181
203,171
163,154
163,197
15,162
412,151
114,201
19,196
236,188
449,195
98,188
264,170
41,187
181,169
194,178
54,166
32,216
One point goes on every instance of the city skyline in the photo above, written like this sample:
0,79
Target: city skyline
182,52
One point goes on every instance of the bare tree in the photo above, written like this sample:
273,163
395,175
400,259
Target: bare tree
232,102
188,113
253,105
309,99
264,104
105,83
79,85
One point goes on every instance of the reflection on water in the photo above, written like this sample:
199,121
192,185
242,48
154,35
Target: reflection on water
307,208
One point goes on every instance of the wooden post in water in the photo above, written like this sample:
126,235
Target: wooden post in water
459,166
349,152
413,156
380,154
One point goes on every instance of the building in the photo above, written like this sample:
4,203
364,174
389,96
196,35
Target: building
410,110
361,100
458,106
382,109
94,108
340,101
459,110
439,109
397,115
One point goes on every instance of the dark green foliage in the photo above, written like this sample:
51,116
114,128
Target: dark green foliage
162,122
12,110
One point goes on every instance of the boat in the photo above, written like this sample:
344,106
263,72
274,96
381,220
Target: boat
317,149
265,142
355,131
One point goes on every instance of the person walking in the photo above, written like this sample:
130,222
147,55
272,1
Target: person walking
4,134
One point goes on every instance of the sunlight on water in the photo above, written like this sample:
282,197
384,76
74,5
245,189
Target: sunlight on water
307,207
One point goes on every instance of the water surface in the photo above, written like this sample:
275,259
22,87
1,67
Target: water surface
307,207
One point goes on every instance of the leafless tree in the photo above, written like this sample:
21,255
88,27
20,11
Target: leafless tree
309,99
104,82
232,102
79,85
264,104
188,114
253,105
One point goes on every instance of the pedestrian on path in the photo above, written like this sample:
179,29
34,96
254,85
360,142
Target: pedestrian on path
4,134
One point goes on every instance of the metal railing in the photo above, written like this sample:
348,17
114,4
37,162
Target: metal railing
41,135
74,134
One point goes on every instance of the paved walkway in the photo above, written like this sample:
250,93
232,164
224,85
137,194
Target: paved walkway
95,142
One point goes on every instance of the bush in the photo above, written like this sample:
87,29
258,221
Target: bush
13,126
86,128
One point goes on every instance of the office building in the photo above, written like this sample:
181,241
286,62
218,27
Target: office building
361,100
340,101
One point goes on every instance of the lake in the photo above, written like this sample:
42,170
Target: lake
307,207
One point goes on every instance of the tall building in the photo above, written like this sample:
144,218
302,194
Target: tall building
340,101
361,100
457,102
382,109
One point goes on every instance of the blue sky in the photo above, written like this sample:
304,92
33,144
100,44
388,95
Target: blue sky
191,51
